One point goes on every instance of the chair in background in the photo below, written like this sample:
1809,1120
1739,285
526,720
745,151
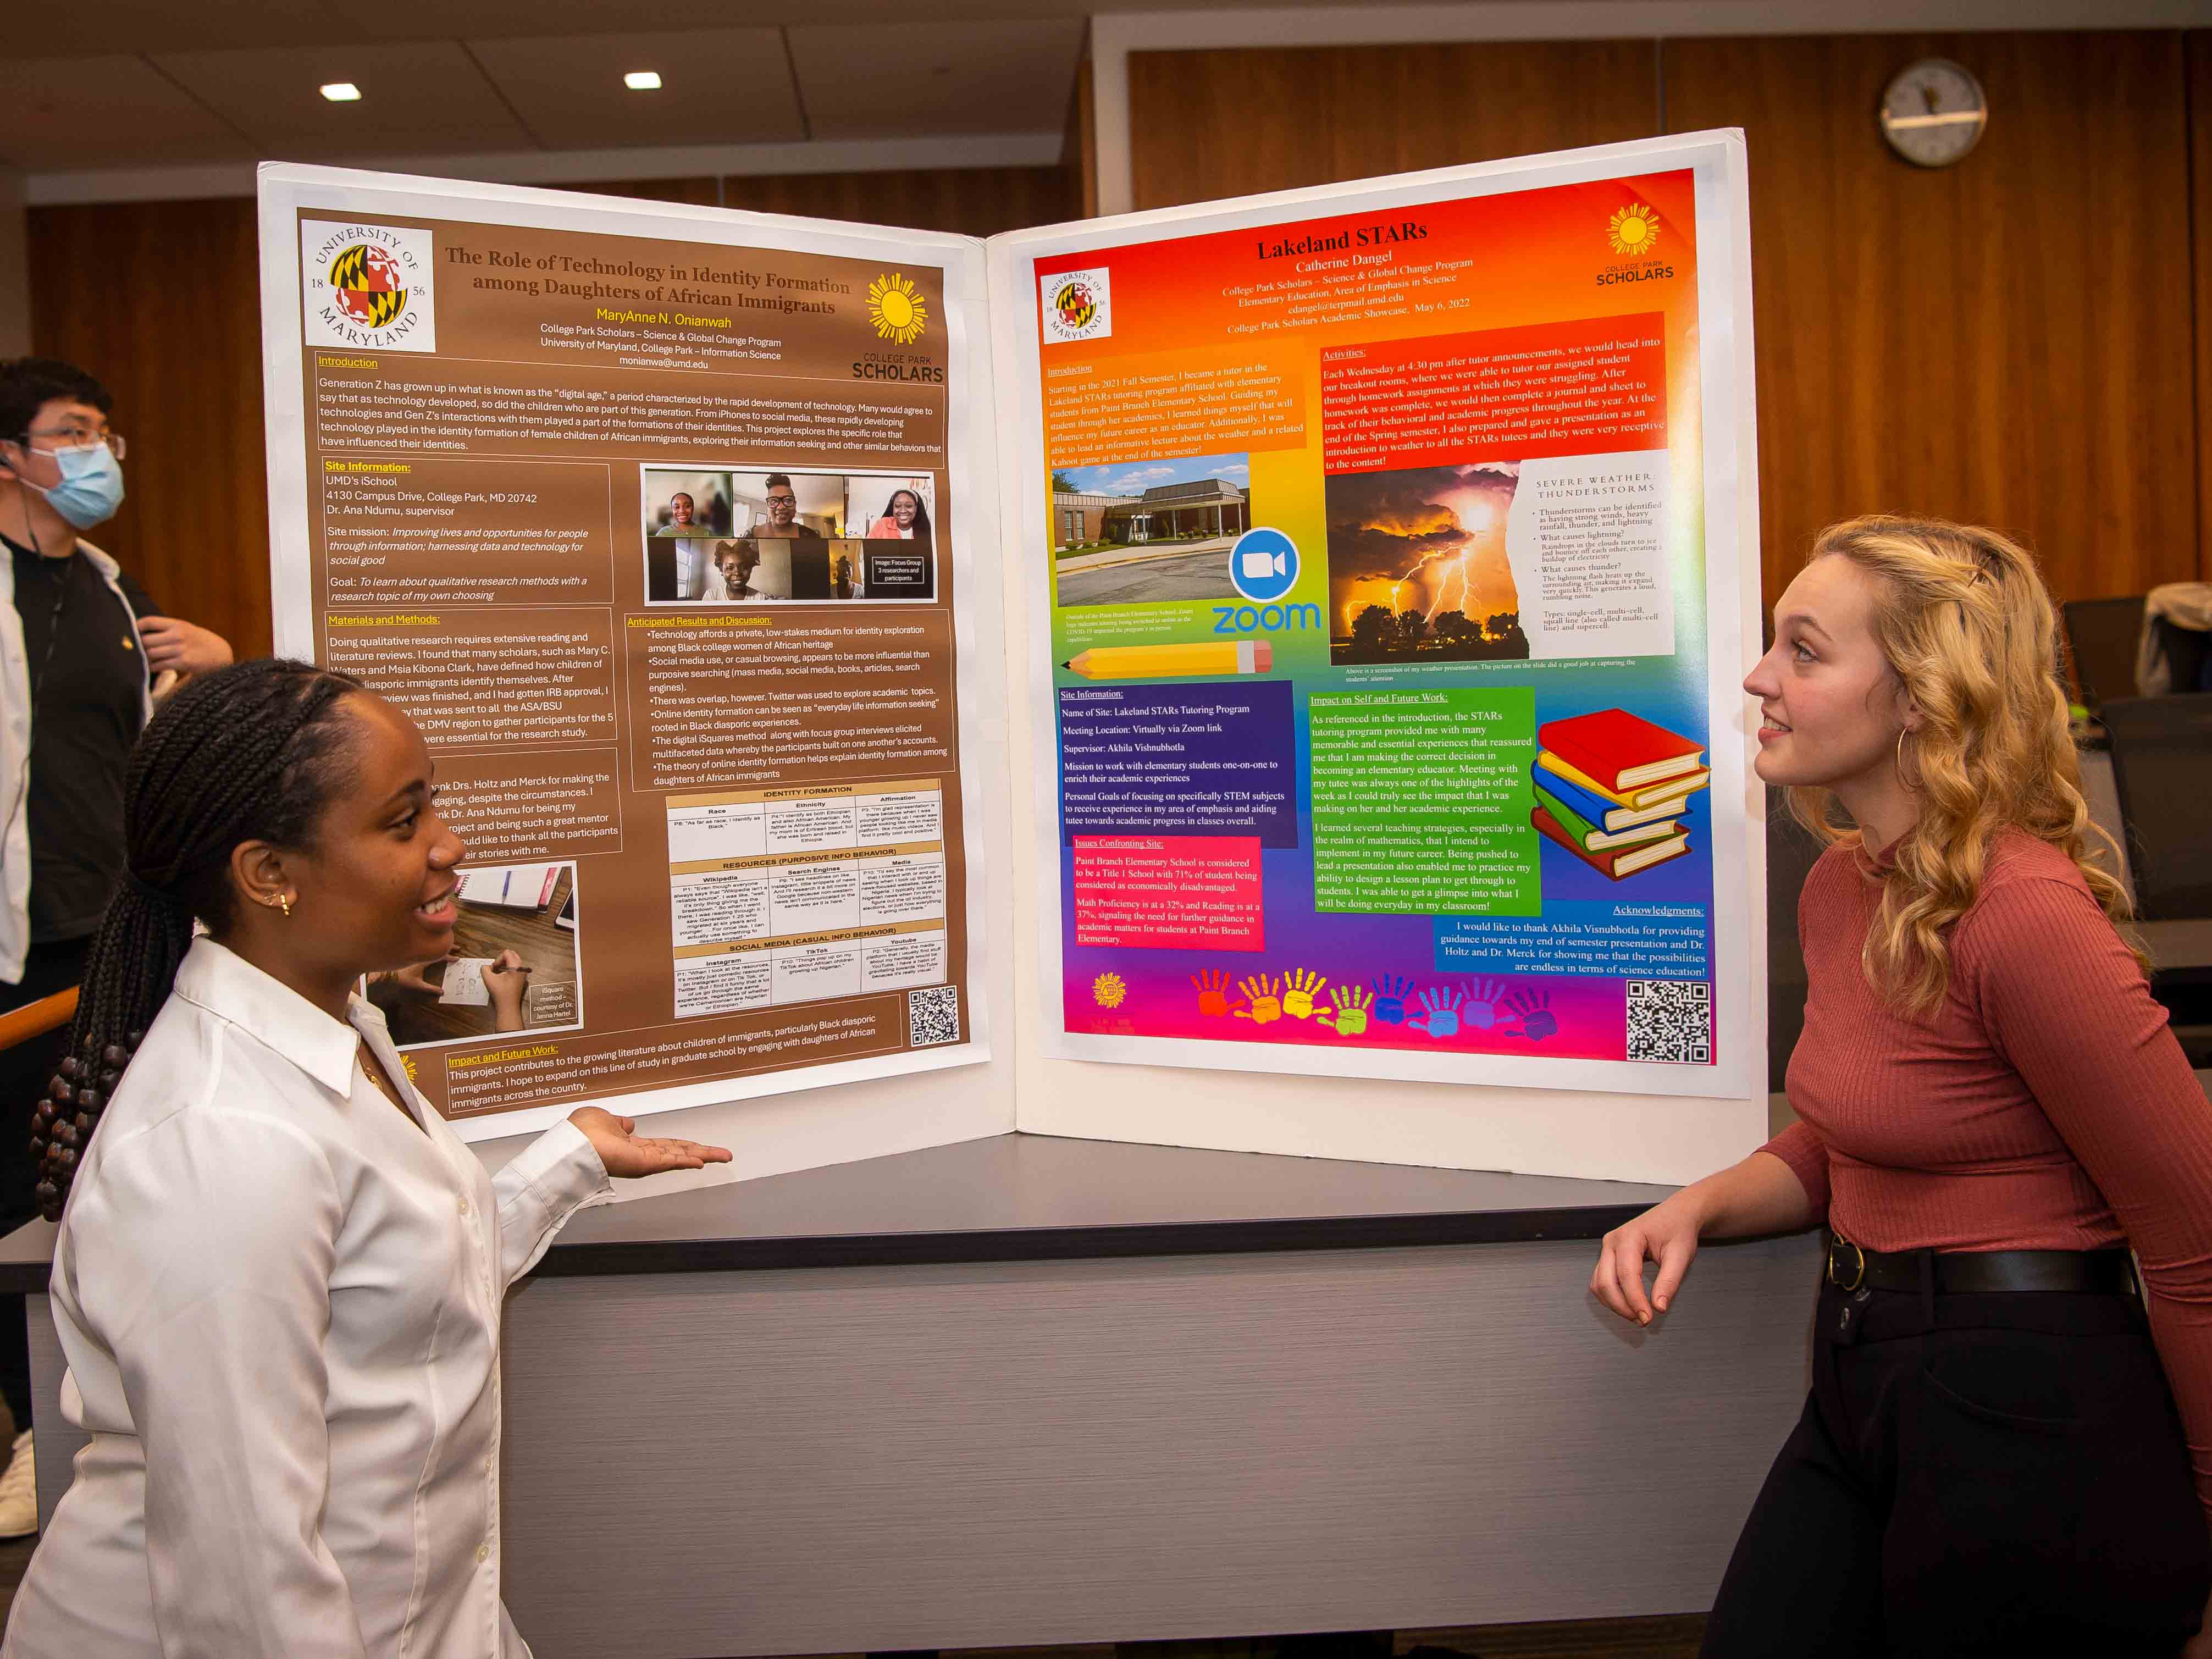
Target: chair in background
2162,769
2101,636
2161,766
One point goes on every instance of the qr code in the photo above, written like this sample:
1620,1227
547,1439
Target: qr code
1670,1020
932,1016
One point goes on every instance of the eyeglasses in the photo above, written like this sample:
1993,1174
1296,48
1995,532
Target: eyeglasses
784,500
78,436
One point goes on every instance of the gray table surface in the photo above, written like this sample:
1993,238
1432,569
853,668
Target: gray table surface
1019,1196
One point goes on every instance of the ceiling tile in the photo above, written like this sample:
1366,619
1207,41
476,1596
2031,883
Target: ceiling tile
58,114
910,80
425,97
717,87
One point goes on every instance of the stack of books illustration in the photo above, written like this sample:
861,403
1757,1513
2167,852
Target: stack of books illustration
1611,788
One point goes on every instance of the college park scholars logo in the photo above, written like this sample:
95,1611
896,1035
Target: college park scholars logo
1078,304
1633,229
368,285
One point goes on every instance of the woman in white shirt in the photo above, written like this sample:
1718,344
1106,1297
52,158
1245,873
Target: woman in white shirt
278,1276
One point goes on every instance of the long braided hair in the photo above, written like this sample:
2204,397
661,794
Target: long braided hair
252,752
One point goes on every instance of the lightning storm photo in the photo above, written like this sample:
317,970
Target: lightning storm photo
1417,565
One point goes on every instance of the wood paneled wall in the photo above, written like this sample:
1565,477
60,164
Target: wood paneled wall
160,301
2200,225
1245,121
2010,341
2007,341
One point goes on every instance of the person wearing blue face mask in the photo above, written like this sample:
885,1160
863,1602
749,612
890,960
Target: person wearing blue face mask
82,652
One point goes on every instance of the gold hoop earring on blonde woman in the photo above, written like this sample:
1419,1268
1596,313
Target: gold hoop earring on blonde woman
1909,783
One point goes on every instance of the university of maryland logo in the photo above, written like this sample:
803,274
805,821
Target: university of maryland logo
1078,306
368,286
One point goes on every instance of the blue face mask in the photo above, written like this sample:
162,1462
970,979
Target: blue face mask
91,487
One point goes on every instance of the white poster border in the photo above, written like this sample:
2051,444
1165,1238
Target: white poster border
285,188
1726,402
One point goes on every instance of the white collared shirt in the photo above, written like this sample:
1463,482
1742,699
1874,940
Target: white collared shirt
279,1303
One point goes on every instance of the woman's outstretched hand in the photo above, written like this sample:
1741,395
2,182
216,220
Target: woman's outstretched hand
628,1156
1667,1234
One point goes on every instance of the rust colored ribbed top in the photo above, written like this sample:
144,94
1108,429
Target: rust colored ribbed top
2045,1106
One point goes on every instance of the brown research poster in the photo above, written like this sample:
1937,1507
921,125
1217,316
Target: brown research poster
656,537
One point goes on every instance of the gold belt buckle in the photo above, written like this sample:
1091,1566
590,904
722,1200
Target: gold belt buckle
1858,1274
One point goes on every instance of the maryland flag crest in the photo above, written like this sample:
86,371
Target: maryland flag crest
368,286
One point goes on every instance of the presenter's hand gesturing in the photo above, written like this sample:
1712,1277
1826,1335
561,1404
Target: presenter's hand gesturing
627,1156
1667,1234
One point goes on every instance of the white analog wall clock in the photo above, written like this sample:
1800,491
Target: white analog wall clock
1933,111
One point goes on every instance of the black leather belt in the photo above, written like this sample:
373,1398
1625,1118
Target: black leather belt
1973,1273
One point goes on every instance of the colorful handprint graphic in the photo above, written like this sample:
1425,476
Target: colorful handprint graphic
1265,994
1391,991
1439,1008
1481,1010
1299,990
1346,1014
1534,1008
1212,987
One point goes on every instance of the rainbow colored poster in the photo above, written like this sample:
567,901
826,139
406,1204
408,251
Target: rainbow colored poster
1387,566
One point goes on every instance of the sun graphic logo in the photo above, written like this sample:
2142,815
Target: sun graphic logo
896,308
368,285
1633,229
1078,304
1108,990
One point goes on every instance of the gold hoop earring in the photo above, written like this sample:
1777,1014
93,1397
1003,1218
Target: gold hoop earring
1909,784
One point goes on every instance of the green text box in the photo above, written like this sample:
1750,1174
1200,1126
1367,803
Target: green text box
1421,802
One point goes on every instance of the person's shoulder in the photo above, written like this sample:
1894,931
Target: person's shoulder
2018,863
198,1111
1840,867
2032,900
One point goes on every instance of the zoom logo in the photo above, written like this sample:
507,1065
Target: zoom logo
1263,565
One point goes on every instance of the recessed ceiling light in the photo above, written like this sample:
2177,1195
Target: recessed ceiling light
342,92
642,80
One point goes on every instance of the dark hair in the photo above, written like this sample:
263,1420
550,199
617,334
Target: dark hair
921,511
252,752
28,384
775,478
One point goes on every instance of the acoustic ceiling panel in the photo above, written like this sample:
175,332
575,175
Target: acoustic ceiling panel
717,87
425,96
917,79
61,115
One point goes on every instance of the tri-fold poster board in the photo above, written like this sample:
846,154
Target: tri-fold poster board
1261,675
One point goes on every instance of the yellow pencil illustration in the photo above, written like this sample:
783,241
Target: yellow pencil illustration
1138,662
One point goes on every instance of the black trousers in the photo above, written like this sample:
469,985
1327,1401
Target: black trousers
1974,1475
24,1071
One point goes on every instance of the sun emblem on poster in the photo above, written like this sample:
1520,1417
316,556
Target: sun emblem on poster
896,308
1108,990
1633,229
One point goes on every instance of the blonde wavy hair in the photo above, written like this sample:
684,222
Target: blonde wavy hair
1967,626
